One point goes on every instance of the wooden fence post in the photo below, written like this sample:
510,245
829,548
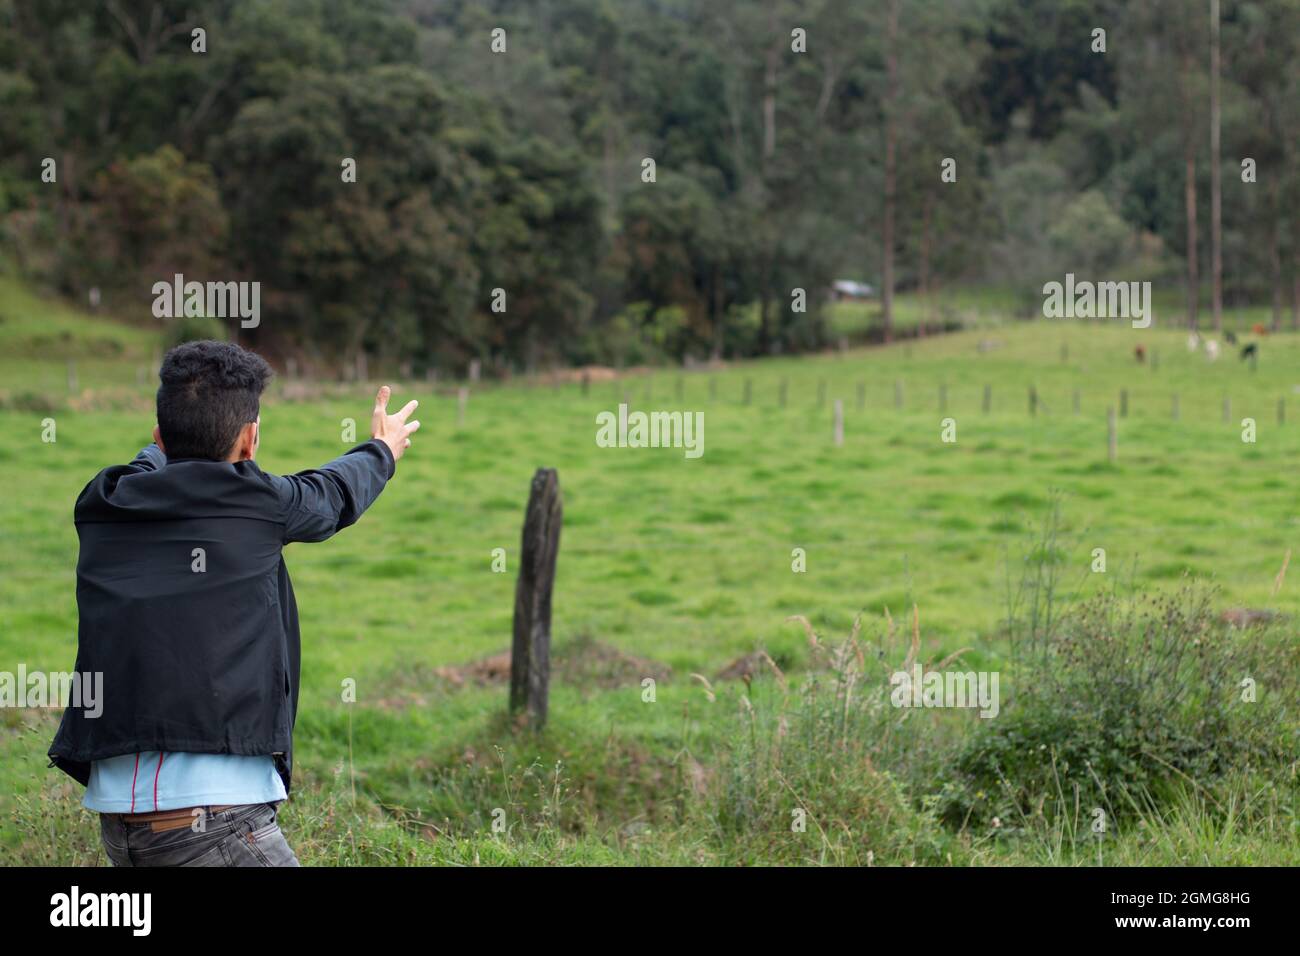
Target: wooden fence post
530,652
1112,435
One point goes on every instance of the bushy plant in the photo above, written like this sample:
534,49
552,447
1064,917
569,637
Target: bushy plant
1120,701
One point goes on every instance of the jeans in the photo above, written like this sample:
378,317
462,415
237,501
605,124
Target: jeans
241,836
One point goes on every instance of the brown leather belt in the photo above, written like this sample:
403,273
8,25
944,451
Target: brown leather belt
161,821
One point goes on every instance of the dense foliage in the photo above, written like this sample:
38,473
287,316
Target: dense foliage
782,161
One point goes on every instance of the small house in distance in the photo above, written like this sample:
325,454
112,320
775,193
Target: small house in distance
844,290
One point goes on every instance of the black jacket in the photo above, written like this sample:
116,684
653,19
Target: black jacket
199,650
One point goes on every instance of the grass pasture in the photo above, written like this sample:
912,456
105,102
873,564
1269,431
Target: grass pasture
676,567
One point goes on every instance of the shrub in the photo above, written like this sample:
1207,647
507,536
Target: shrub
1120,701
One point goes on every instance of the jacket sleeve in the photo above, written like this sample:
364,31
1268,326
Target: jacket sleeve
323,500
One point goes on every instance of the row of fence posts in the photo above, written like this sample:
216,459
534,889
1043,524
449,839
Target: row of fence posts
623,393
986,404
837,414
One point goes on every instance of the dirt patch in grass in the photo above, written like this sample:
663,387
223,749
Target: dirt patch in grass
1243,617
583,662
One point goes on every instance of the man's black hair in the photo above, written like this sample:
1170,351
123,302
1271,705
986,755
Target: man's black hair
209,391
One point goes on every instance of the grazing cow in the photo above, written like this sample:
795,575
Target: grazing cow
1259,328
1212,349
1230,337
1140,353
1250,351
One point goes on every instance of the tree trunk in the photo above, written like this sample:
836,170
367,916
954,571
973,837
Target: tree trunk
769,91
1216,184
1189,198
1295,290
1193,273
926,221
891,143
1275,262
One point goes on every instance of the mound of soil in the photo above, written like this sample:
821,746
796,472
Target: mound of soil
581,662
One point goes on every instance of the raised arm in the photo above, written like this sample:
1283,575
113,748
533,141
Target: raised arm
324,500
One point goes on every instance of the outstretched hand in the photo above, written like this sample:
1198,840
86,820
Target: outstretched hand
393,430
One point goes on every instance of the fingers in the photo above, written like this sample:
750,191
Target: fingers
406,410
412,427
381,399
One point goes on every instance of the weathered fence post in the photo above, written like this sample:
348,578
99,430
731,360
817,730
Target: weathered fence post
530,652
838,424
1112,435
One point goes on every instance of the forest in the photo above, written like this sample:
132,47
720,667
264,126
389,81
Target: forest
623,182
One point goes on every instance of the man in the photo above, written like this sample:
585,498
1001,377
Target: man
187,611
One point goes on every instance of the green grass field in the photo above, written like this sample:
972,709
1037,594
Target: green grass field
683,563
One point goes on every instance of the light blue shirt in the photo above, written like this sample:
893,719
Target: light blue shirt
144,782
